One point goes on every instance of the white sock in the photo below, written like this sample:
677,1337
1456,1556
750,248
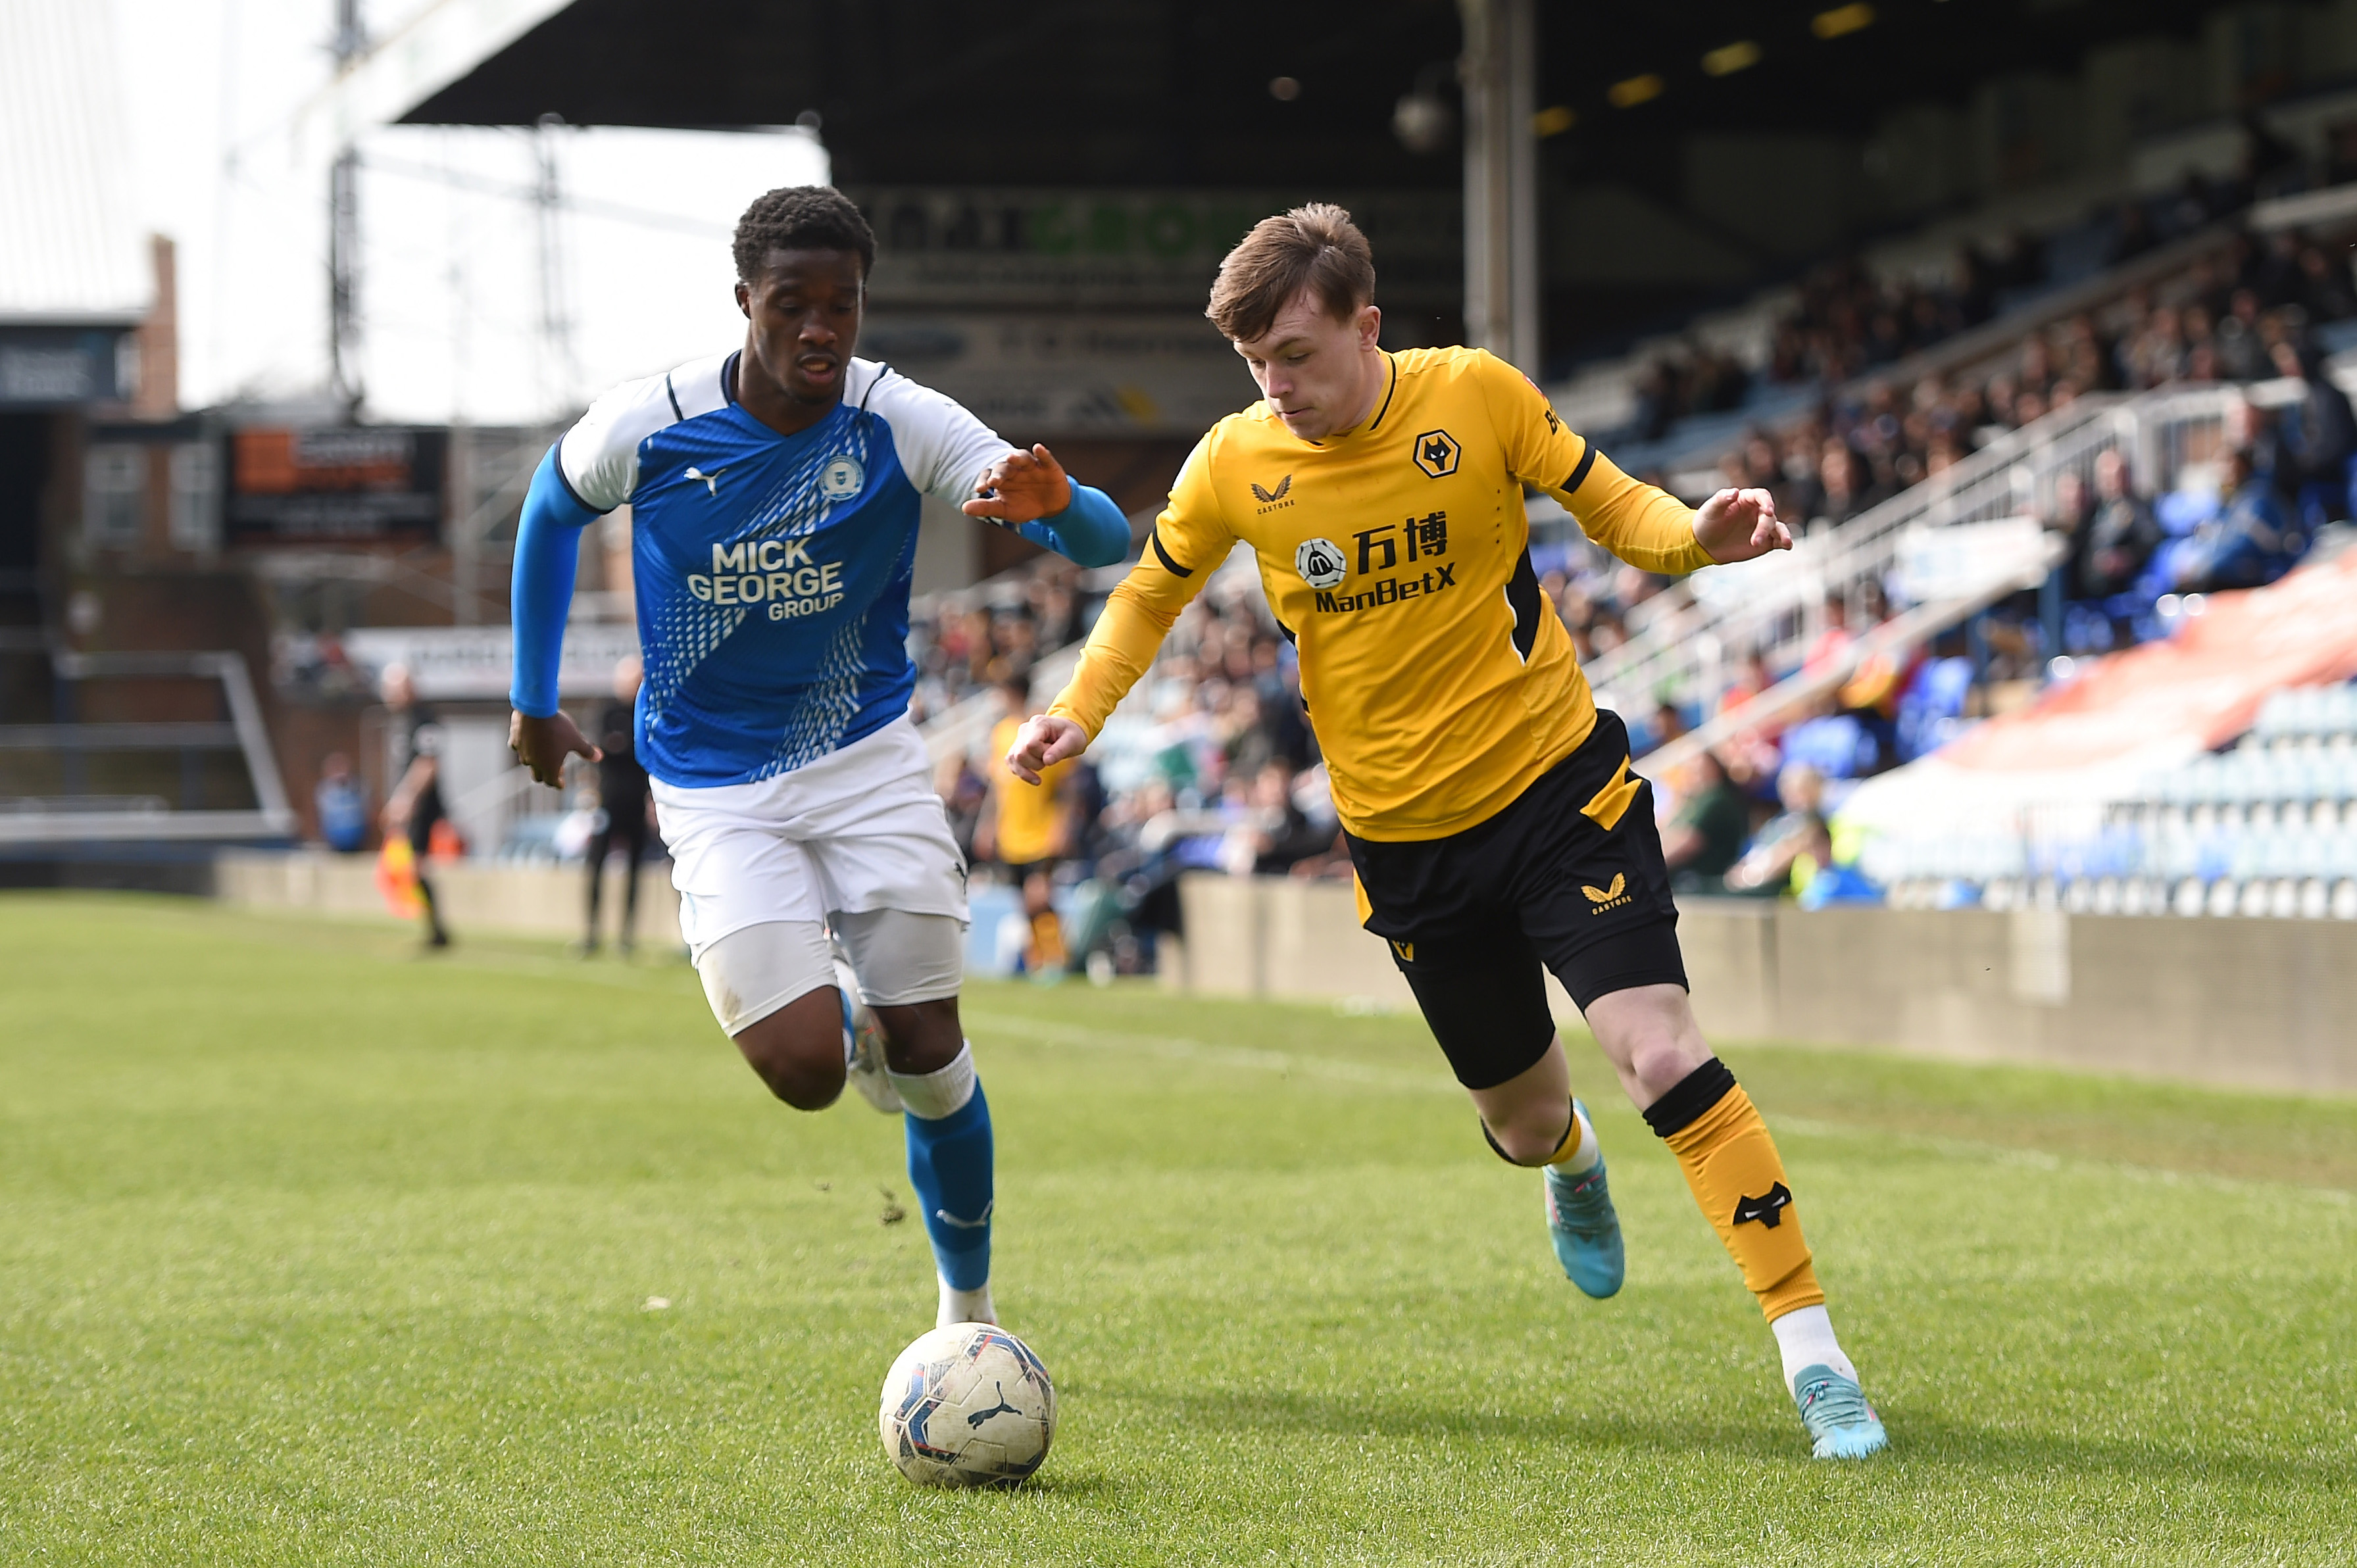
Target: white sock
1805,1338
929,1096
964,1305
1587,1156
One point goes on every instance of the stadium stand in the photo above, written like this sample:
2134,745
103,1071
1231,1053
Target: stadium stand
2081,475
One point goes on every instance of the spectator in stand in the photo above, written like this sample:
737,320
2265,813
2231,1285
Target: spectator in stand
2318,436
624,806
1705,834
1838,495
1668,725
960,785
1832,640
342,805
1787,852
2069,515
2250,543
1274,832
2120,537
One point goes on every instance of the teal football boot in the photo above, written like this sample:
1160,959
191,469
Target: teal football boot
1841,1424
1585,1229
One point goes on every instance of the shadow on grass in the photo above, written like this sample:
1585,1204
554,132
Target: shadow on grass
1085,1487
1918,1437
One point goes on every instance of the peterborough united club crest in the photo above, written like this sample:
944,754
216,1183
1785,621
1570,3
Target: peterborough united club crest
1319,562
842,478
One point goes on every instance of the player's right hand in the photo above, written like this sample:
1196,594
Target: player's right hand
542,744
1042,743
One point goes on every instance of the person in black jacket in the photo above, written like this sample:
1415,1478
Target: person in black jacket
414,803
2120,538
622,806
2317,437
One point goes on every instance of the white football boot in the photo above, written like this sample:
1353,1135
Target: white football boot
863,1044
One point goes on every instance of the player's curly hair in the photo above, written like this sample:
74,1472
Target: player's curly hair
1315,247
800,217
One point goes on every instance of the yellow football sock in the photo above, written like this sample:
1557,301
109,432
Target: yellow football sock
1738,1181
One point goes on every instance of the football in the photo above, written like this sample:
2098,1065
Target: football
968,1405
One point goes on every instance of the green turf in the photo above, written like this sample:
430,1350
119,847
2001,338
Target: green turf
314,1252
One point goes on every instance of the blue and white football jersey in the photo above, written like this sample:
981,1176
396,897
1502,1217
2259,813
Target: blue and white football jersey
772,571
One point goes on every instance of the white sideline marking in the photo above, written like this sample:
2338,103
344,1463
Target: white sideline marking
1173,1048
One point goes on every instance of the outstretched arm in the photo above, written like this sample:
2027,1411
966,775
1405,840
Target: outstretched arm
1047,507
548,553
1188,541
1643,524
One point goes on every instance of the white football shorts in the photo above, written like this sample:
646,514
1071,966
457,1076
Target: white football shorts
857,832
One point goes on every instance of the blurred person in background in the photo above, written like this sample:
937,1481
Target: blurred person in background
964,793
1705,834
2122,534
1273,833
1026,829
1795,841
2250,542
415,804
342,805
622,806
2319,435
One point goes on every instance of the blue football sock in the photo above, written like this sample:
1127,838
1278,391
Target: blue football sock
949,1166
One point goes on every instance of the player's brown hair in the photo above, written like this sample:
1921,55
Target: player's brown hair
1315,247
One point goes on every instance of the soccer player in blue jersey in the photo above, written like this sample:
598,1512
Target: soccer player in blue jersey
774,495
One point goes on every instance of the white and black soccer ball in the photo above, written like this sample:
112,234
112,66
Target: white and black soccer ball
968,1405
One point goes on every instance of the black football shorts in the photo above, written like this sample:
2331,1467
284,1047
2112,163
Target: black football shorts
1569,876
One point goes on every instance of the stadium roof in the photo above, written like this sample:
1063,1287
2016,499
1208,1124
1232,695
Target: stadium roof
1178,91
74,254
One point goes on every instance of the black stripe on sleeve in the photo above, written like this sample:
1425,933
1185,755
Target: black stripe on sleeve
669,392
1154,538
1523,598
1579,475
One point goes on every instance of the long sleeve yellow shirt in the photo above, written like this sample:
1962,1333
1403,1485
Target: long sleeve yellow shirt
1440,682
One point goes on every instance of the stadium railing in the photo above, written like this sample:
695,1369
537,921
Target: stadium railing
80,815
1775,605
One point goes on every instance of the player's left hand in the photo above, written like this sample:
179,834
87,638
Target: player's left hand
1021,488
1740,525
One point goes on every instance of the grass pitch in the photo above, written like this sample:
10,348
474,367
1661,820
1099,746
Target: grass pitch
316,1252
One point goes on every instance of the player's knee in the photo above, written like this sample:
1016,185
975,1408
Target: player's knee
797,1051
922,1037
1525,1141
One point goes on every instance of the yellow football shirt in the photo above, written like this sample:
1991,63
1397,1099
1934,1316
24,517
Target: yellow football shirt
1028,816
1397,555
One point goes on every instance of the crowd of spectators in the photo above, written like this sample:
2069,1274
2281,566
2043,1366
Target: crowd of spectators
1845,321
1223,774
2249,315
965,642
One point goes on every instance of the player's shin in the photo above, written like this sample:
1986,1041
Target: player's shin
1738,1179
949,1166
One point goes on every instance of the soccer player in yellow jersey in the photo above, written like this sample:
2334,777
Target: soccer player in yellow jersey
1491,810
